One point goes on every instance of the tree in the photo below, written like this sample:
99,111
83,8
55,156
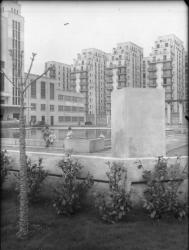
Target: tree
23,195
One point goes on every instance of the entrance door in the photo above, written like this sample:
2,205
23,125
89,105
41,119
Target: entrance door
52,120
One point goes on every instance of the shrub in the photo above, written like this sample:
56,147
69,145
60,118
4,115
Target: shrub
115,204
70,192
161,194
36,175
5,164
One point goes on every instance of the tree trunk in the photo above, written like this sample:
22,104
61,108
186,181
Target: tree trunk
23,216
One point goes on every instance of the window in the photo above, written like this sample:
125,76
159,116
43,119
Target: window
81,109
43,96
60,107
164,81
164,57
43,106
43,118
61,118
74,109
2,85
158,46
33,106
74,119
51,107
67,108
68,98
60,97
67,118
2,64
33,118
52,91
166,45
81,119
33,89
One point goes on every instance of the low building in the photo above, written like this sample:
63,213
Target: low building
46,101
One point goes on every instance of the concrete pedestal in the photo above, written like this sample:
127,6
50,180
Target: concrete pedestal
138,122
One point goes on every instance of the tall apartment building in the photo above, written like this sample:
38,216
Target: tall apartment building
186,96
88,77
12,62
51,104
167,68
145,71
60,72
123,69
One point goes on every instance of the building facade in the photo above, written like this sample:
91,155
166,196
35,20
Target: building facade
145,71
186,83
60,72
123,69
46,101
167,68
88,78
12,58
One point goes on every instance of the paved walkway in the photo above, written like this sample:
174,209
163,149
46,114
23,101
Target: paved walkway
176,144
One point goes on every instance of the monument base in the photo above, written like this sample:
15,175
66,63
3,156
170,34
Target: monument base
138,122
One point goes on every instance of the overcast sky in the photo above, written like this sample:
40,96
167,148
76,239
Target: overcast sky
96,25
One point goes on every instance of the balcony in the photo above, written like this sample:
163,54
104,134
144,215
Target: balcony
108,73
109,87
83,76
166,75
167,67
152,69
152,76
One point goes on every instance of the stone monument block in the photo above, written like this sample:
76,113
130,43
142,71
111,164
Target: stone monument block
138,122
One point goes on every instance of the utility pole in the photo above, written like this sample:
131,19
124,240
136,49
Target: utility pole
23,192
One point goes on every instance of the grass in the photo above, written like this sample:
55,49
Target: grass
85,231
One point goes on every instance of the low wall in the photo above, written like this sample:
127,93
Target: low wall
97,166
84,145
77,145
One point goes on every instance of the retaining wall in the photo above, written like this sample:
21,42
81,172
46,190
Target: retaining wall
97,166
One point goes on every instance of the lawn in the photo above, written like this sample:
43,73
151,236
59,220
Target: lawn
85,231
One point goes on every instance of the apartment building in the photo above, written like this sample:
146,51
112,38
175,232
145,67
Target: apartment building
186,83
167,68
145,71
48,102
123,69
88,78
60,72
12,62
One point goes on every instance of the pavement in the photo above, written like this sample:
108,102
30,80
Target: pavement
176,145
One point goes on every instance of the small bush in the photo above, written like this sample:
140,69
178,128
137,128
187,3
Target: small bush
5,164
161,196
36,175
70,192
114,205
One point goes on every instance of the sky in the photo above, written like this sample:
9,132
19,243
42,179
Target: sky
96,24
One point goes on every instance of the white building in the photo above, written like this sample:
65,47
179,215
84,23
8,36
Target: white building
60,72
167,68
52,105
12,62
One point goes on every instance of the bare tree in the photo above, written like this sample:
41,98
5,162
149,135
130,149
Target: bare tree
23,194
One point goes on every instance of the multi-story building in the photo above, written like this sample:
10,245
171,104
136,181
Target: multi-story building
88,77
12,62
123,69
167,68
60,72
186,83
145,71
47,102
